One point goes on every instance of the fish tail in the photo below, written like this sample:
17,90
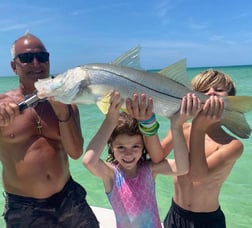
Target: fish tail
239,103
234,115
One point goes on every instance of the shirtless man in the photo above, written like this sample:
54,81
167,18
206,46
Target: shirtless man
212,152
34,149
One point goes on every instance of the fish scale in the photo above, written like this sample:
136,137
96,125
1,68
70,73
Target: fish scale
128,86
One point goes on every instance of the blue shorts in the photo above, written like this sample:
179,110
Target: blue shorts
178,217
65,209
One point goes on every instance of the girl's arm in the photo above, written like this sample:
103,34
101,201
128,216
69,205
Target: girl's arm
91,159
140,107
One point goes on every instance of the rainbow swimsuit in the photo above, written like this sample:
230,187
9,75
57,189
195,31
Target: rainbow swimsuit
134,201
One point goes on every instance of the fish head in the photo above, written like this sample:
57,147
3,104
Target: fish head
62,86
46,87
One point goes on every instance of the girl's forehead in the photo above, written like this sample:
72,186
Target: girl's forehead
124,139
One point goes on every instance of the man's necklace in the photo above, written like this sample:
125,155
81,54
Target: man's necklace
39,125
37,116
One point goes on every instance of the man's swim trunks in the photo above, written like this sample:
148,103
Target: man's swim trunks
65,209
177,217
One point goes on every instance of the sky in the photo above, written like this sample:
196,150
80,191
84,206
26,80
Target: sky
77,32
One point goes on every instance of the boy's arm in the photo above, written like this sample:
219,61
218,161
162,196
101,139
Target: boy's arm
190,106
226,153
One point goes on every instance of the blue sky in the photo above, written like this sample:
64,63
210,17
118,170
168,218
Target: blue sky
206,32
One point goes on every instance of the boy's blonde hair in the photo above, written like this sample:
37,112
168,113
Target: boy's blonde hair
211,78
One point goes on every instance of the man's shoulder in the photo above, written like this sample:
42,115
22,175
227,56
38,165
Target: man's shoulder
9,95
5,96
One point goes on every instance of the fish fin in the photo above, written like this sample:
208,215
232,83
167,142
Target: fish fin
177,72
236,123
124,109
104,103
91,94
233,118
238,103
130,58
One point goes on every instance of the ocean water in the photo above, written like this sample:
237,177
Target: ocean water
236,194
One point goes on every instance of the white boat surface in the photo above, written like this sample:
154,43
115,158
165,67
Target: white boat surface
105,216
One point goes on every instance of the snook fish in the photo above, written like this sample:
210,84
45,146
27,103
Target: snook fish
90,83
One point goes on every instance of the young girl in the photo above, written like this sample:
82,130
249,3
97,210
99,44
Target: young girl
128,177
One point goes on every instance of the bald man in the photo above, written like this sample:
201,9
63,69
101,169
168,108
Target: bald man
34,147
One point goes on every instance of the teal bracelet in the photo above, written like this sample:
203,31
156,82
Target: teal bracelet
150,120
149,127
149,131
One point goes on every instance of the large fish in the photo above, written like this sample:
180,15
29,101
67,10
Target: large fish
91,83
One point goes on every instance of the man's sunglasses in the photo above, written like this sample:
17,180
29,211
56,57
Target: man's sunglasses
28,57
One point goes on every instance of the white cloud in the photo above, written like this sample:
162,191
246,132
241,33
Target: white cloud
197,25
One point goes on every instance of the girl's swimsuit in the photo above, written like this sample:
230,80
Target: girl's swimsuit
133,199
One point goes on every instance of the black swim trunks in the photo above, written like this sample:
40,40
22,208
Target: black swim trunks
177,217
65,209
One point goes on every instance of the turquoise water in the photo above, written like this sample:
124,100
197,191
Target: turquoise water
236,194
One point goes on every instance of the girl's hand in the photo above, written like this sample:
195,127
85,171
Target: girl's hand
140,106
116,103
